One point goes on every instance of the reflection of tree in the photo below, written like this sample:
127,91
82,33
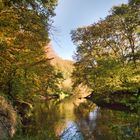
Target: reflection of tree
107,124
128,131
83,109
43,120
67,113
116,125
86,115
50,120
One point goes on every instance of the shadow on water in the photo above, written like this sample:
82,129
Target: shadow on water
79,119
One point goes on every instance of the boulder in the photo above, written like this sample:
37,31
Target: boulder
8,119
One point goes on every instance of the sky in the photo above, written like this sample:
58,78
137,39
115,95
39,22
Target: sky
71,14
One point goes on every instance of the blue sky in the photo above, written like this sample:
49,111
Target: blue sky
71,14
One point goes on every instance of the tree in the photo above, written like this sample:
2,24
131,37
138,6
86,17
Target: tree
108,50
128,20
24,33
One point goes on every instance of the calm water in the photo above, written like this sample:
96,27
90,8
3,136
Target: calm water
79,119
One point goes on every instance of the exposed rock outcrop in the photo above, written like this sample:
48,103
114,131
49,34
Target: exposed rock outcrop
8,119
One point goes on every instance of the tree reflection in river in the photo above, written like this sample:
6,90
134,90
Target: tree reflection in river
79,119
104,124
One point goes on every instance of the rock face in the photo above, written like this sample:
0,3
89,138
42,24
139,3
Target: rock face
8,119
3,134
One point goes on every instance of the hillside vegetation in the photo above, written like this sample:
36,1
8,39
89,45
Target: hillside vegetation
63,66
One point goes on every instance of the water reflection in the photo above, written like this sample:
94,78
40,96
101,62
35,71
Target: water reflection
71,132
78,119
70,114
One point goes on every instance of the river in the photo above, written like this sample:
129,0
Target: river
78,119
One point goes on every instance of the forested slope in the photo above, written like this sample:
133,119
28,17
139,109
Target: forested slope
65,67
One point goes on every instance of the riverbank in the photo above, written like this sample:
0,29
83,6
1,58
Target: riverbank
122,100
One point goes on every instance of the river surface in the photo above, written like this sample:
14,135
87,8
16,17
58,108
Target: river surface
78,119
